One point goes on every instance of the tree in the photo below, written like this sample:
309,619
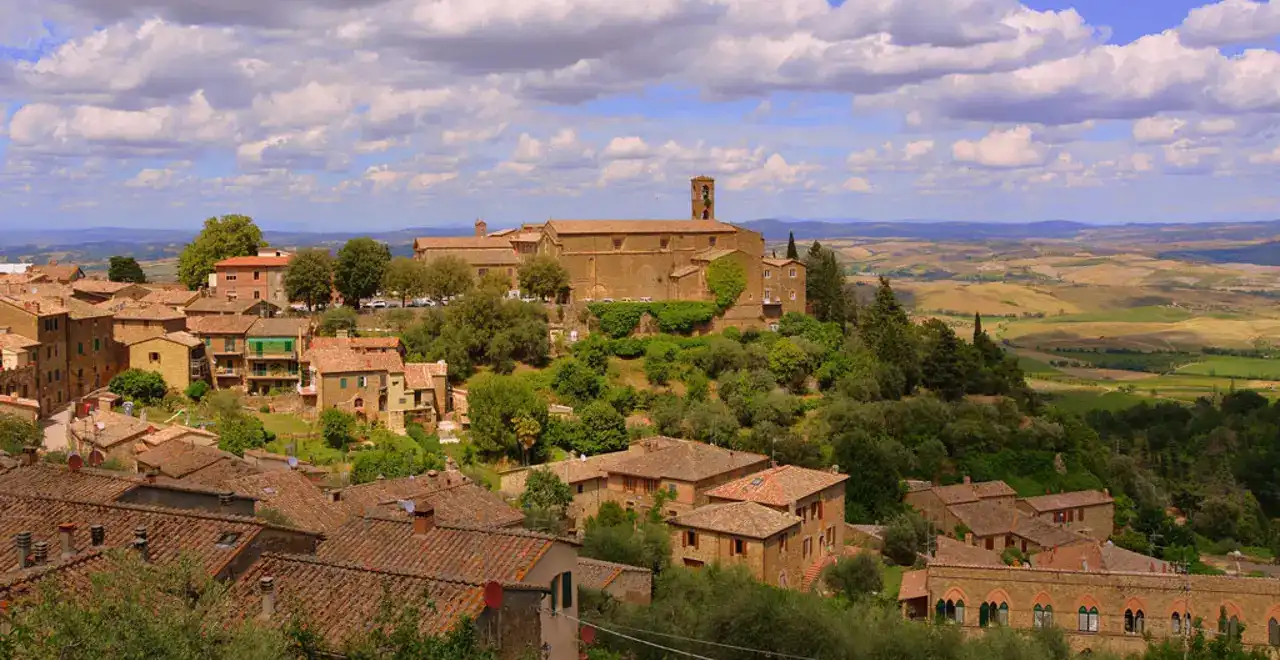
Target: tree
238,432
854,577
528,430
887,331
361,265
606,427
17,433
824,285
196,390
125,269
543,277
144,387
593,352
792,253
621,536
576,381
789,363
948,366
406,278
337,428
336,319
659,361
447,277
309,279
905,537
221,238
545,498
494,405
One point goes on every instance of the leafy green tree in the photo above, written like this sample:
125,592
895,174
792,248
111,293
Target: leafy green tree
824,284
792,253
494,405
621,536
887,331
905,537
17,433
546,499
139,386
406,278
606,427
726,280
576,382
712,422
543,277
221,238
948,367
391,463
854,577
238,432
196,390
336,319
359,270
789,363
309,278
659,361
447,277
125,269
337,428
593,352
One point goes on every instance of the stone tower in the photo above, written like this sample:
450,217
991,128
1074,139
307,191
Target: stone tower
702,192
482,228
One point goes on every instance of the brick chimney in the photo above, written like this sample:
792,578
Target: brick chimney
23,543
968,538
424,520
41,553
140,543
224,501
29,455
267,585
97,535
967,480
482,228
65,530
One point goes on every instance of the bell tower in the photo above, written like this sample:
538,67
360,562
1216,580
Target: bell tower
702,193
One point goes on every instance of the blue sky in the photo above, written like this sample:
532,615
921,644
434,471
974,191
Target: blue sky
341,114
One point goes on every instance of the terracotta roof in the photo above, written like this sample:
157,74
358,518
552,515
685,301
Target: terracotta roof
264,262
466,504
180,337
355,343
596,574
68,575
779,263
688,461
962,493
914,585
60,273
685,271
219,473
132,310
294,496
570,471
417,375
779,486
171,297
226,324
178,431
640,227
1057,501
279,327
99,286
179,459
47,480
34,304
339,361
711,254
115,428
747,519
989,519
11,400
339,600
452,243
169,531
16,342
224,306
1097,558
383,544
951,551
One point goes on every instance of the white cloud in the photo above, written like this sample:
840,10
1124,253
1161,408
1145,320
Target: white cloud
1231,22
856,184
1157,130
1010,148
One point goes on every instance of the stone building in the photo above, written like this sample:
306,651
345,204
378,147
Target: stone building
627,584
252,278
76,353
272,350
18,355
225,338
764,540
1098,610
105,436
683,469
375,385
177,356
1087,512
132,320
98,291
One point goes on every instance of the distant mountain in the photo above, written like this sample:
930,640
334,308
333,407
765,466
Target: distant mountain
1263,254
774,229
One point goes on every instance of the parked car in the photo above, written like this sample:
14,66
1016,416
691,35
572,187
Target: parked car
377,304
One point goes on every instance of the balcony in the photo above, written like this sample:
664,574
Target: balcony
272,355
225,350
273,374
227,373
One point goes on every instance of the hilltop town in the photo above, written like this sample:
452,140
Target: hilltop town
556,440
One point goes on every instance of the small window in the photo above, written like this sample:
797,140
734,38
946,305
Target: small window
664,242
710,241
566,590
342,383
80,348
793,273
768,274
671,490
363,381
617,243
739,547
228,539
481,272
97,344
793,295
768,294
288,346
153,356
690,538
257,295
580,489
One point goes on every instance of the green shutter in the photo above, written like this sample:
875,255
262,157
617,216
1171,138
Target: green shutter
342,383
80,348
566,582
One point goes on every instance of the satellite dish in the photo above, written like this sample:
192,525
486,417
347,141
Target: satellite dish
293,461
96,458
493,595
407,505
75,462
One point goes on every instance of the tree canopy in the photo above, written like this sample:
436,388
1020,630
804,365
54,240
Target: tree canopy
17,433
406,278
543,277
221,238
362,262
125,269
447,277
309,279
139,386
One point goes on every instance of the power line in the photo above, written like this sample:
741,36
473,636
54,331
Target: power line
773,654
646,642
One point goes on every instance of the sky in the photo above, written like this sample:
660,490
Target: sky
382,114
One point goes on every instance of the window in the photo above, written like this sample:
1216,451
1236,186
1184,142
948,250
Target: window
671,490
342,383
793,273
1080,513
256,275
815,510
57,375
617,243
768,293
664,242
229,344
1134,622
580,489
566,589
952,611
710,241
481,272
991,543
257,295
153,356
228,539
97,344
79,348
1229,627
230,277
288,346
1087,619
1175,623
807,547
690,539
362,381
739,547
768,274
793,295
782,543
1043,616
1273,632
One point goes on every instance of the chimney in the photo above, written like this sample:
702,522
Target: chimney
23,541
968,538
29,455
967,481
224,501
424,520
65,530
41,553
482,228
835,469
335,496
267,585
97,535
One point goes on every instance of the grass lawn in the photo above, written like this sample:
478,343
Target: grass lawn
284,423
1153,314
310,449
1227,366
1033,366
892,576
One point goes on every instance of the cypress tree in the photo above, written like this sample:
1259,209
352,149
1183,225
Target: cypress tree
792,253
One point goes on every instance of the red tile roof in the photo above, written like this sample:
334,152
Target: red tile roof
640,227
1058,501
14,341
88,484
178,459
171,297
130,310
107,428
456,499
264,262
221,324
356,343
294,496
417,375
596,574
462,243
779,486
972,492
914,585
384,544
747,519
686,461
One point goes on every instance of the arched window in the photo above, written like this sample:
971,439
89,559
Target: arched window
959,617
1273,632
1088,619
1175,623
1037,617
984,615
1003,617
940,610
1128,621
1048,616
1139,622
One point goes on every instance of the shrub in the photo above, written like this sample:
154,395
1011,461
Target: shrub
726,279
197,390
337,428
683,316
264,408
139,386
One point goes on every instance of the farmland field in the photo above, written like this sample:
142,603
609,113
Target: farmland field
1227,366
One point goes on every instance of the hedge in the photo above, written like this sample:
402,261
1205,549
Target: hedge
619,320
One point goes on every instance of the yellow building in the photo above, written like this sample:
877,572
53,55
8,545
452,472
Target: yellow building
178,356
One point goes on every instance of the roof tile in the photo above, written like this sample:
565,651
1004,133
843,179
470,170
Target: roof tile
779,486
747,519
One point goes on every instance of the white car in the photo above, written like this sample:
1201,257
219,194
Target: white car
377,304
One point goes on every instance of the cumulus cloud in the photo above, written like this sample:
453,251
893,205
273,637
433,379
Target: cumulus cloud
1231,22
1010,148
